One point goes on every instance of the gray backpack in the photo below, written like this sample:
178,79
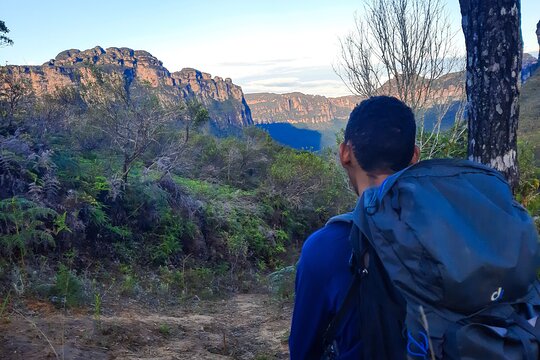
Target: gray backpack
446,265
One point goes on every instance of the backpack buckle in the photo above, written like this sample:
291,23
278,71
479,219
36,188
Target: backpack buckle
331,352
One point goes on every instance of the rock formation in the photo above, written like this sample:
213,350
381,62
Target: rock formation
299,108
313,109
224,100
528,60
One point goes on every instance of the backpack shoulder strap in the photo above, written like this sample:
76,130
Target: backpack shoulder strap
346,217
359,264
331,331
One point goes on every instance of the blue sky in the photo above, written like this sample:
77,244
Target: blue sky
277,46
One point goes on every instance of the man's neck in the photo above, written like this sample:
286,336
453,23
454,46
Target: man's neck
377,179
372,180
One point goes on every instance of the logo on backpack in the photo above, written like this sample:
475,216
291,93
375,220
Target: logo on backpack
498,294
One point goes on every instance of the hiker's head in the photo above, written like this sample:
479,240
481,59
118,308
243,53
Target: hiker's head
379,140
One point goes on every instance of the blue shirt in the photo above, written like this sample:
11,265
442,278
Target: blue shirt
322,279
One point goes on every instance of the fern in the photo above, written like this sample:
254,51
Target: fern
60,224
6,159
12,172
35,190
25,171
51,185
98,216
23,225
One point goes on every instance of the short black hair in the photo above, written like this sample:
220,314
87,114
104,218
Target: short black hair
382,133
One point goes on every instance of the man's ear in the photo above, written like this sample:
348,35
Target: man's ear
416,155
345,156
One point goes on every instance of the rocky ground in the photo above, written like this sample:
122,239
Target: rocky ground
245,326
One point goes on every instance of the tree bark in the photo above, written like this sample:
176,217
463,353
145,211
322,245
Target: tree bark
538,37
494,53
125,168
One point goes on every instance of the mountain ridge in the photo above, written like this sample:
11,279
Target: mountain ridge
297,107
224,99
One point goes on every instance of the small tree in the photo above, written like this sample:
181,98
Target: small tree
399,48
132,119
4,40
13,93
405,48
195,115
171,148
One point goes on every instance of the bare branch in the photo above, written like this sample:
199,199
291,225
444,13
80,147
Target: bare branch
398,48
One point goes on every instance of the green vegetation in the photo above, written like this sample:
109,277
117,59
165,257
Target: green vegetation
529,114
24,226
282,283
529,183
97,307
165,330
4,40
132,190
450,143
67,289
123,182
4,305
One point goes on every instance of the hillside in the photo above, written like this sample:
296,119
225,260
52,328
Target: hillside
529,117
121,235
223,99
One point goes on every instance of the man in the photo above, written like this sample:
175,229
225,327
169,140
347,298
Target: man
379,141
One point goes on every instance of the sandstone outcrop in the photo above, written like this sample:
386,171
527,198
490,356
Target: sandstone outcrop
299,108
225,101
314,109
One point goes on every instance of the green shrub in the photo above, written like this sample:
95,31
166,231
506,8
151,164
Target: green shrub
281,283
67,289
168,234
165,330
97,307
129,283
310,182
199,281
528,191
450,143
171,279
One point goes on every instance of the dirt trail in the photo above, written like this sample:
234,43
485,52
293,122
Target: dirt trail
248,326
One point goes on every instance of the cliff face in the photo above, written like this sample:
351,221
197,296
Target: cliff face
224,100
296,107
299,108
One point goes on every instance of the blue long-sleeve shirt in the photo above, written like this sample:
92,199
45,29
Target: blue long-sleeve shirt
322,280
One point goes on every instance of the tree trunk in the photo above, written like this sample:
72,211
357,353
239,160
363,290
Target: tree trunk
494,52
538,37
125,169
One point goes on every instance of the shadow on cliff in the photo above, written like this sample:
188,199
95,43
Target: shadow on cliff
289,135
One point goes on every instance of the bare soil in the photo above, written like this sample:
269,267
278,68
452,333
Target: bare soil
246,326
